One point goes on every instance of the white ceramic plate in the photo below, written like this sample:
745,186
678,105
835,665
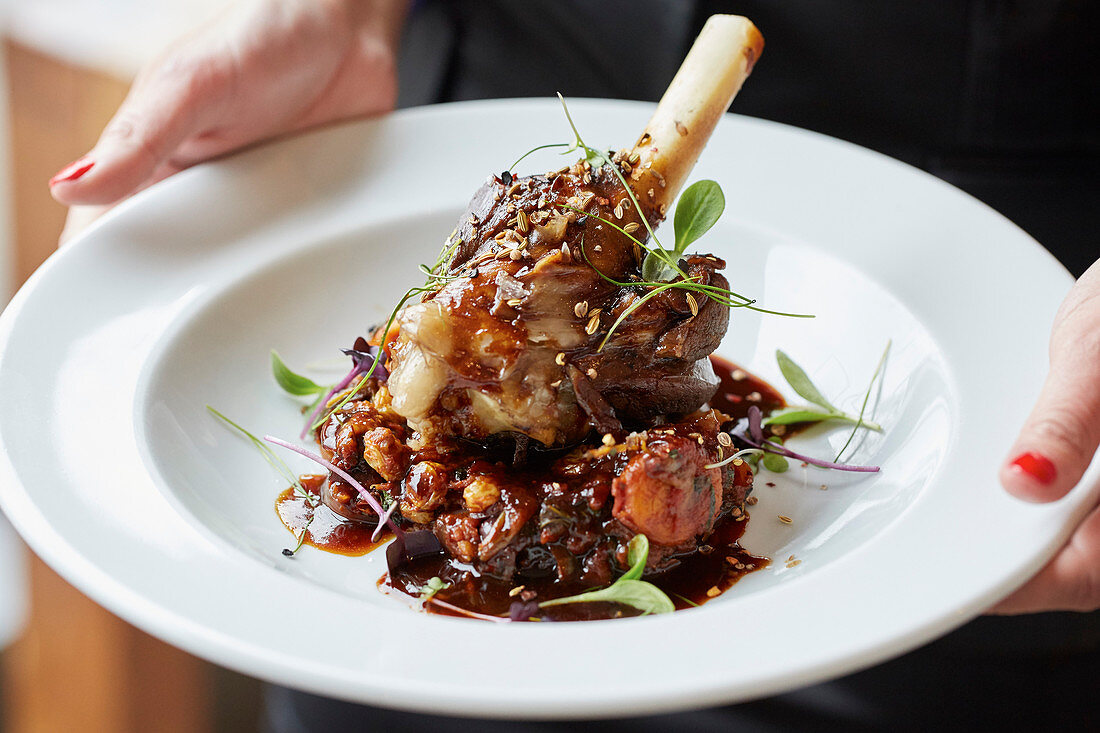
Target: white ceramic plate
118,477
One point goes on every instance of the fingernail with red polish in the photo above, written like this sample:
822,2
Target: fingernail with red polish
73,170
1037,466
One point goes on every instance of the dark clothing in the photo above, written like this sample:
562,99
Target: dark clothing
930,690
999,97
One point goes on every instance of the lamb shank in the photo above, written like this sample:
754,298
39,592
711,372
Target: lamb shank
529,440
511,342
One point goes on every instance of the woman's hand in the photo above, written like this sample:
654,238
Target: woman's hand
268,67
1054,449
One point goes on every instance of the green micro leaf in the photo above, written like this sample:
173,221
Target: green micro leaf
293,383
433,586
800,382
639,594
793,415
637,552
699,207
628,589
774,463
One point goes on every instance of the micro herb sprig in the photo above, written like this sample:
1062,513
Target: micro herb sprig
722,296
628,590
538,148
433,586
687,600
821,409
292,382
742,454
280,466
866,398
435,278
593,155
700,206
435,273
750,431
774,453
358,385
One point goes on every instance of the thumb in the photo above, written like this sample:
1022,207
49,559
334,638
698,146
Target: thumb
1063,431
165,107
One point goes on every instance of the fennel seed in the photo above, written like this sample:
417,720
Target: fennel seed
593,323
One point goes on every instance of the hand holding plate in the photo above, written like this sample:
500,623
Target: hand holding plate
1054,449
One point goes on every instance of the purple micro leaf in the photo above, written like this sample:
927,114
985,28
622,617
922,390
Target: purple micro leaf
818,462
523,610
780,450
366,495
363,357
755,428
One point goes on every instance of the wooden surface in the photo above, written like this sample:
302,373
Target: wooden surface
78,667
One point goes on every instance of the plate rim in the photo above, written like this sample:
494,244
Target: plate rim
181,630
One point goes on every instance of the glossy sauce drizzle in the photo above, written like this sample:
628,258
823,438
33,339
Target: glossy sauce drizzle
696,578
325,529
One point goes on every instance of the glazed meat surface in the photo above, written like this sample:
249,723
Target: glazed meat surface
509,341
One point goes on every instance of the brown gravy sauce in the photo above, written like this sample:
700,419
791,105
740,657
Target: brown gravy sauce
324,529
695,578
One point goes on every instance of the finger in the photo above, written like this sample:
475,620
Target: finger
1069,582
78,219
177,100
1062,433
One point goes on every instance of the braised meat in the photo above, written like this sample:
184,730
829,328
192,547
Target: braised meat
529,295
542,404
567,514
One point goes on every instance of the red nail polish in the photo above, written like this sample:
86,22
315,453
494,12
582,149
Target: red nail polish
1039,467
73,170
